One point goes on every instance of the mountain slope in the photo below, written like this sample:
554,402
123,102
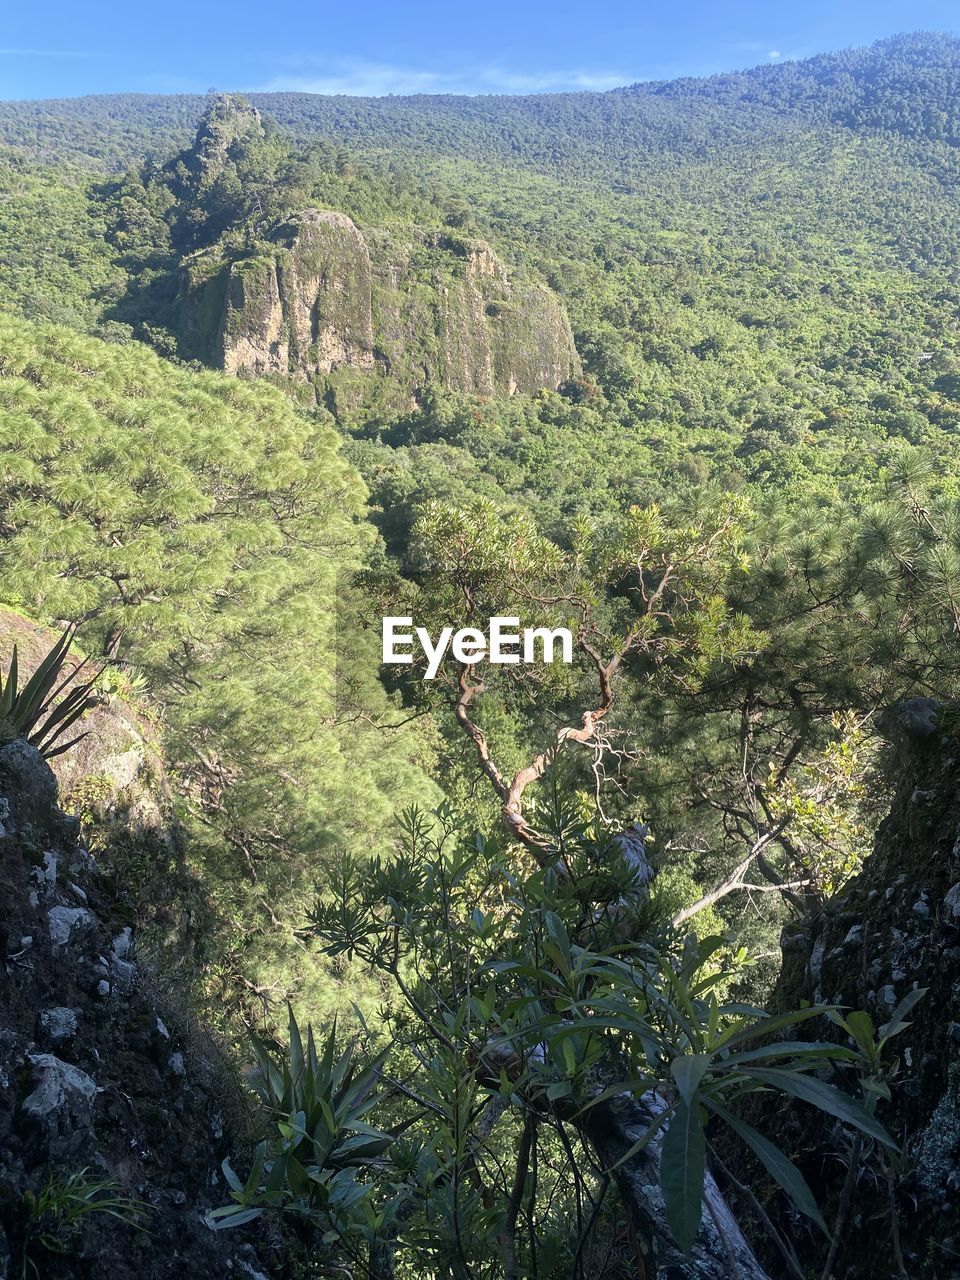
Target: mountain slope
759,294
907,84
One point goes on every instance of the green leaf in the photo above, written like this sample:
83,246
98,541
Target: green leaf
10,689
682,1168
43,679
688,1071
767,1026
269,1071
297,1176
50,752
233,1182
233,1216
791,1049
569,1058
296,1046
826,1098
780,1167
860,1025
557,931
896,1023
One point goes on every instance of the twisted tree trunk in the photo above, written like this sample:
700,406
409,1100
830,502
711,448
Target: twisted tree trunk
721,1251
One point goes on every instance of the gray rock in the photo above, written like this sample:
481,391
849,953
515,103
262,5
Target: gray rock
64,921
248,1270
57,1025
249,1263
951,900
911,721
82,862
921,909
815,966
27,782
123,973
45,877
123,944
177,1065
854,936
60,1087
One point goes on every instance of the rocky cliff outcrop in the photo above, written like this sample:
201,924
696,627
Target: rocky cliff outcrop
375,315
893,930
103,1079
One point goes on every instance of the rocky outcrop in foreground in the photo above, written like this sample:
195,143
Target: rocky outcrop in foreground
894,929
375,314
101,1076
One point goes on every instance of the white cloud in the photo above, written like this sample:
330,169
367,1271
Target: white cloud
376,79
774,53
50,53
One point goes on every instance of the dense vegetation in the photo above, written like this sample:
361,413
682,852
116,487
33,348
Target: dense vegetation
204,534
747,508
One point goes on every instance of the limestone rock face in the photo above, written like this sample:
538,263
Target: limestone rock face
326,292
398,308
254,337
62,1096
306,309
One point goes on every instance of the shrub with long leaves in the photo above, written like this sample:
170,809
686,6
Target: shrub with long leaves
47,706
311,1161
528,1002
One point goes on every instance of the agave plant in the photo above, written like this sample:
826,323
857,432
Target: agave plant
47,705
312,1161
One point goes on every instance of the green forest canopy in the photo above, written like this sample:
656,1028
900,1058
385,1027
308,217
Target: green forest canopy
761,272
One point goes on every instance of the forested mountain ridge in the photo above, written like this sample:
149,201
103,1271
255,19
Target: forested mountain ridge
755,311
904,84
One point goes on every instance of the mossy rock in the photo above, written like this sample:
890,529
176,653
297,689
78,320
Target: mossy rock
374,316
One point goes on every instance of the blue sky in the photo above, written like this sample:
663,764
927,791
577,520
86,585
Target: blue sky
59,48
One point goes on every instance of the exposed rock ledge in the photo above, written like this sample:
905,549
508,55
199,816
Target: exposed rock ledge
404,307
894,928
98,1071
